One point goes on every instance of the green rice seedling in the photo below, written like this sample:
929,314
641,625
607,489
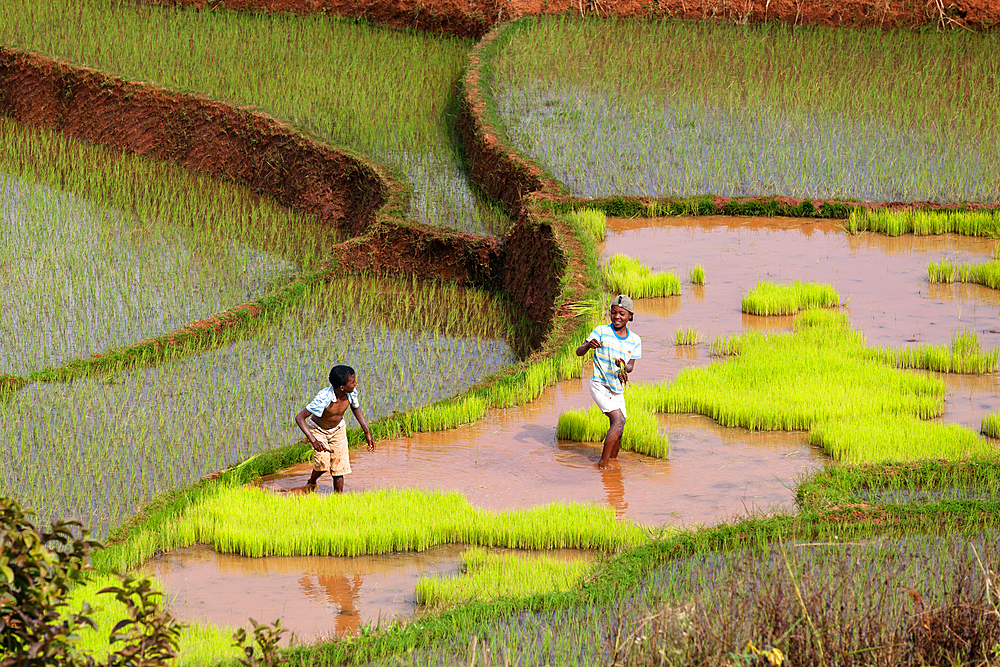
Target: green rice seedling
773,299
912,221
642,431
626,275
643,125
991,425
986,274
726,346
689,336
385,93
488,575
200,643
698,275
963,356
896,438
370,522
592,221
821,372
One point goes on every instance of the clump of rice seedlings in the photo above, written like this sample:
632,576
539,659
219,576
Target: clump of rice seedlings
896,437
199,643
370,522
727,346
820,373
698,275
488,575
963,356
689,336
991,425
986,274
642,431
774,299
626,275
592,221
894,223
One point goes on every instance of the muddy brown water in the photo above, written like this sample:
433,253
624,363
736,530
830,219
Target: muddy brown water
512,458
316,597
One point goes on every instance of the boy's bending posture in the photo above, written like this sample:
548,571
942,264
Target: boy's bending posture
326,429
615,351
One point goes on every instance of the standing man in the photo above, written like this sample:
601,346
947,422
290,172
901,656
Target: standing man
615,351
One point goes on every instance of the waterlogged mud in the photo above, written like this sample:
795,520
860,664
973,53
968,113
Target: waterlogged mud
513,459
316,597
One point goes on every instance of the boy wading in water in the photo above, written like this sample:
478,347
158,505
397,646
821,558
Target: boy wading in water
615,351
326,429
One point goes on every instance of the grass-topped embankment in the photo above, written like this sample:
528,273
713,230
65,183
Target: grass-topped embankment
370,522
711,107
592,222
487,576
821,378
775,299
627,275
923,222
358,86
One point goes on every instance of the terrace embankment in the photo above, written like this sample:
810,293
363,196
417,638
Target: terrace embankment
474,18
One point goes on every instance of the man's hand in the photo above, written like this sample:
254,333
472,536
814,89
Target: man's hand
316,445
371,442
593,343
622,371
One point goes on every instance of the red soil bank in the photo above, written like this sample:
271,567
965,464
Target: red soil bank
474,18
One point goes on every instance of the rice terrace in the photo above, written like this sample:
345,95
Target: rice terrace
210,206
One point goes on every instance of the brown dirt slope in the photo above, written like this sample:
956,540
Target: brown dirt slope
474,18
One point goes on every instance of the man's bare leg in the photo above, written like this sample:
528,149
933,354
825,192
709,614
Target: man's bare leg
613,439
338,483
313,477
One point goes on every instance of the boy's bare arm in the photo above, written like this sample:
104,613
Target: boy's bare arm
364,427
300,421
591,344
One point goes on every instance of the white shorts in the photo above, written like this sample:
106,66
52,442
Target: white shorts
607,400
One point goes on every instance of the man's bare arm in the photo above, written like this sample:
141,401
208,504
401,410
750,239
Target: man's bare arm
300,421
364,427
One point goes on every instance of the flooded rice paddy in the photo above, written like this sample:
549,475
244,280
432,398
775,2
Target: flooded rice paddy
137,434
316,597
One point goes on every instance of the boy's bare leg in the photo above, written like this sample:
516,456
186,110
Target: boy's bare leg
613,439
338,483
313,477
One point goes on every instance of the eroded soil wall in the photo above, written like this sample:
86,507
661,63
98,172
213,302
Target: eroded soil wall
474,18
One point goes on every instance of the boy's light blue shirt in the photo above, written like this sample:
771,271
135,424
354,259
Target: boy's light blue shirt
327,396
613,347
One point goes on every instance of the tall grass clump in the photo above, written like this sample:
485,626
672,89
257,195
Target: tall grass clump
991,425
627,275
698,275
964,355
986,274
385,93
911,221
488,575
594,222
370,522
773,299
689,336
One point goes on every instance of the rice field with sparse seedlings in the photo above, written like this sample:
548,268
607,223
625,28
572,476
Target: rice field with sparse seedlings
384,93
627,275
691,109
109,416
769,298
